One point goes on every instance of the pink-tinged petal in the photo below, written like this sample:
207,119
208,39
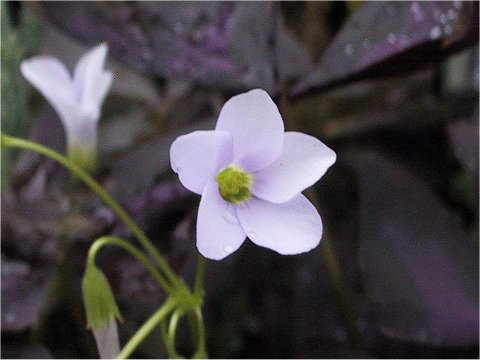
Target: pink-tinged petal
303,162
290,228
92,82
197,157
52,79
256,127
219,232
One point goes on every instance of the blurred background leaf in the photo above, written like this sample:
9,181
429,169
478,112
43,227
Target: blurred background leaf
20,38
389,38
417,260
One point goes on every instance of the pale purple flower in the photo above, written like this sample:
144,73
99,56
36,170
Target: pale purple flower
251,175
77,100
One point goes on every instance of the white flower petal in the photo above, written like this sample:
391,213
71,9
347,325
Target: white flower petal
106,337
290,228
256,127
49,76
303,162
92,82
218,231
197,157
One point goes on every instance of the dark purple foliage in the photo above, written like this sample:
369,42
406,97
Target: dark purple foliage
234,46
419,264
389,38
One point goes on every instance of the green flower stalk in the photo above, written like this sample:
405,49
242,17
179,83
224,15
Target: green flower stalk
101,311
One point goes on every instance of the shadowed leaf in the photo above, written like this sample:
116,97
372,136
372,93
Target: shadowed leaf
420,266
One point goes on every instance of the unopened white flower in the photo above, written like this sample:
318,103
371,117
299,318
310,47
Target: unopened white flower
101,311
250,174
77,100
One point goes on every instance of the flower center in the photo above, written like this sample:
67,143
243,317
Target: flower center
234,184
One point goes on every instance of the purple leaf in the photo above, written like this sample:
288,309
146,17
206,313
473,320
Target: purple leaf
23,293
234,46
388,38
420,266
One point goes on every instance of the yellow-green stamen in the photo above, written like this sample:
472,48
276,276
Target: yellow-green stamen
234,184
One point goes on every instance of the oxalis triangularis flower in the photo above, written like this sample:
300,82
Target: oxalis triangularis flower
77,100
251,175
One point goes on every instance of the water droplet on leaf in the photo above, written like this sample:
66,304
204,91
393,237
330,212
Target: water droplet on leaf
415,7
348,49
178,28
10,318
451,14
435,33
391,38
447,30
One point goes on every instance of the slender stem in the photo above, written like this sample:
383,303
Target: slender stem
134,251
168,334
341,289
172,353
172,326
198,287
8,141
199,327
146,329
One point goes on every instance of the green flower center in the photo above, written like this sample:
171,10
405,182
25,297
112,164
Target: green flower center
234,184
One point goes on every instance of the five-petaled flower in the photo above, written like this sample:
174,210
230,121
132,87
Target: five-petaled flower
251,175
76,100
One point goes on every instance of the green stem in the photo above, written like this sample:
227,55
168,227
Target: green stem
199,278
201,352
169,333
341,291
113,240
172,326
12,142
146,329
340,286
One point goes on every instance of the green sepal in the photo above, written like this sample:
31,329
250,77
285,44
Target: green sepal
98,299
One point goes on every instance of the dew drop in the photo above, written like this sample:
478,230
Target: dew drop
451,14
10,318
251,235
415,8
228,249
178,28
435,33
348,49
229,217
391,38
447,29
